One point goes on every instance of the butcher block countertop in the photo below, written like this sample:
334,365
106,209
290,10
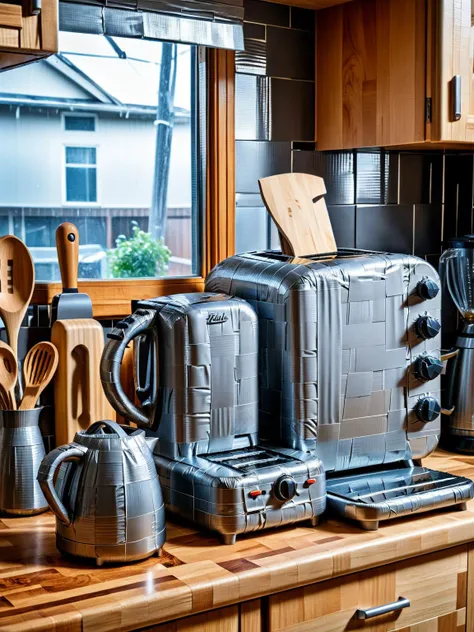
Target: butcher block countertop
42,590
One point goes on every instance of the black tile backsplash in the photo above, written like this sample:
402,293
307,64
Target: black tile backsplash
387,228
267,13
255,160
292,110
290,53
405,201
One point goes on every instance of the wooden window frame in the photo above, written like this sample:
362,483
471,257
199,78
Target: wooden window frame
112,299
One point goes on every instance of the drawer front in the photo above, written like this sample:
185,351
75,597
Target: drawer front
435,585
223,620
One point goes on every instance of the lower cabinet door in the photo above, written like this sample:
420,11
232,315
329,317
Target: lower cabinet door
222,620
434,585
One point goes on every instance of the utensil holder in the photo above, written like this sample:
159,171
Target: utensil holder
21,452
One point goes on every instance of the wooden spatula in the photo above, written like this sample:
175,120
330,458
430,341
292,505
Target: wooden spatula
39,367
296,203
8,377
17,281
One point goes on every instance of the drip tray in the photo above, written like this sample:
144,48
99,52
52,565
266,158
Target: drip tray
371,496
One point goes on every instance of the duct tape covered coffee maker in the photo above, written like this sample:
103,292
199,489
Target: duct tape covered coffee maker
350,365
196,367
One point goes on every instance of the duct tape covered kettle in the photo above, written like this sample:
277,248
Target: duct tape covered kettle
107,497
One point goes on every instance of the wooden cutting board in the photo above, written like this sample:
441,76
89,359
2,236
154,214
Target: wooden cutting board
79,400
296,203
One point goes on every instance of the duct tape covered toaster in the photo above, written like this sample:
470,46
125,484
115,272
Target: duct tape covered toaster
196,366
350,365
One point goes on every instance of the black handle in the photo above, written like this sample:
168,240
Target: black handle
370,613
456,112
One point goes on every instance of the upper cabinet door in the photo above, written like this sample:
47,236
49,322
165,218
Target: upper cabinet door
371,74
25,37
453,98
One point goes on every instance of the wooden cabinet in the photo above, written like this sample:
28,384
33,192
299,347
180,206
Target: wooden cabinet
435,585
223,620
385,72
25,38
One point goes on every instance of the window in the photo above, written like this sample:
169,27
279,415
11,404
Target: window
89,136
79,123
81,174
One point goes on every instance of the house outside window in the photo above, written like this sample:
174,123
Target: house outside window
81,174
88,138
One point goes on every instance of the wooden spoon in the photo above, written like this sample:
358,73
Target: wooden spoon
39,367
8,377
17,281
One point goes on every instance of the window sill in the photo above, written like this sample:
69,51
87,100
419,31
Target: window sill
113,299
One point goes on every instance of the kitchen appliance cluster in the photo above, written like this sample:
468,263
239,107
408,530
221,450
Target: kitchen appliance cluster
294,383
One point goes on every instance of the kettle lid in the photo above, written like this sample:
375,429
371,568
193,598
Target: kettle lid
107,429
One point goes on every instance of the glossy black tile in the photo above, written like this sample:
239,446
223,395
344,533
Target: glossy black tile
252,60
304,19
292,110
254,31
458,194
421,178
428,223
388,228
290,54
259,159
267,13
343,224
337,169
370,183
251,107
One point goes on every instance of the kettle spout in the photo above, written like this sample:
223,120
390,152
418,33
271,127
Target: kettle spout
152,441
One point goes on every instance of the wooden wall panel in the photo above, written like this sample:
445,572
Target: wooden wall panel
371,68
220,211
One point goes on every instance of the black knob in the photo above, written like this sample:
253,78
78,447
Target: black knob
427,288
285,488
427,327
427,368
427,409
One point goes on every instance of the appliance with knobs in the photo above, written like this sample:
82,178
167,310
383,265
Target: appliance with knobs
350,370
196,369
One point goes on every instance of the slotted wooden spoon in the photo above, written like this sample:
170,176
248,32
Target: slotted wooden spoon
17,281
39,367
8,377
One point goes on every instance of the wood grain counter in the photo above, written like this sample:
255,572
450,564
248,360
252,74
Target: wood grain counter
42,590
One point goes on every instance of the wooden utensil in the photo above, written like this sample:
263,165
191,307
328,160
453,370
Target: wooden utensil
39,367
296,203
78,391
8,377
17,281
70,303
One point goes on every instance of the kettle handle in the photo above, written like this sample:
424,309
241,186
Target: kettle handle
111,360
111,425
47,470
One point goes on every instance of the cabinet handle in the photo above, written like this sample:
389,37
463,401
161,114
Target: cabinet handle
369,613
456,97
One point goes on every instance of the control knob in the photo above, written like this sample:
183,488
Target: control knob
427,327
427,368
427,409
427,288
285,488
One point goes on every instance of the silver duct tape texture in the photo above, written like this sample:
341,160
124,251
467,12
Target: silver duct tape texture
337,346
218,491
206,399
22,450
396,493
107,498
204,415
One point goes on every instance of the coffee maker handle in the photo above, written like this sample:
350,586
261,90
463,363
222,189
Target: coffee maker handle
112,356
46,473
